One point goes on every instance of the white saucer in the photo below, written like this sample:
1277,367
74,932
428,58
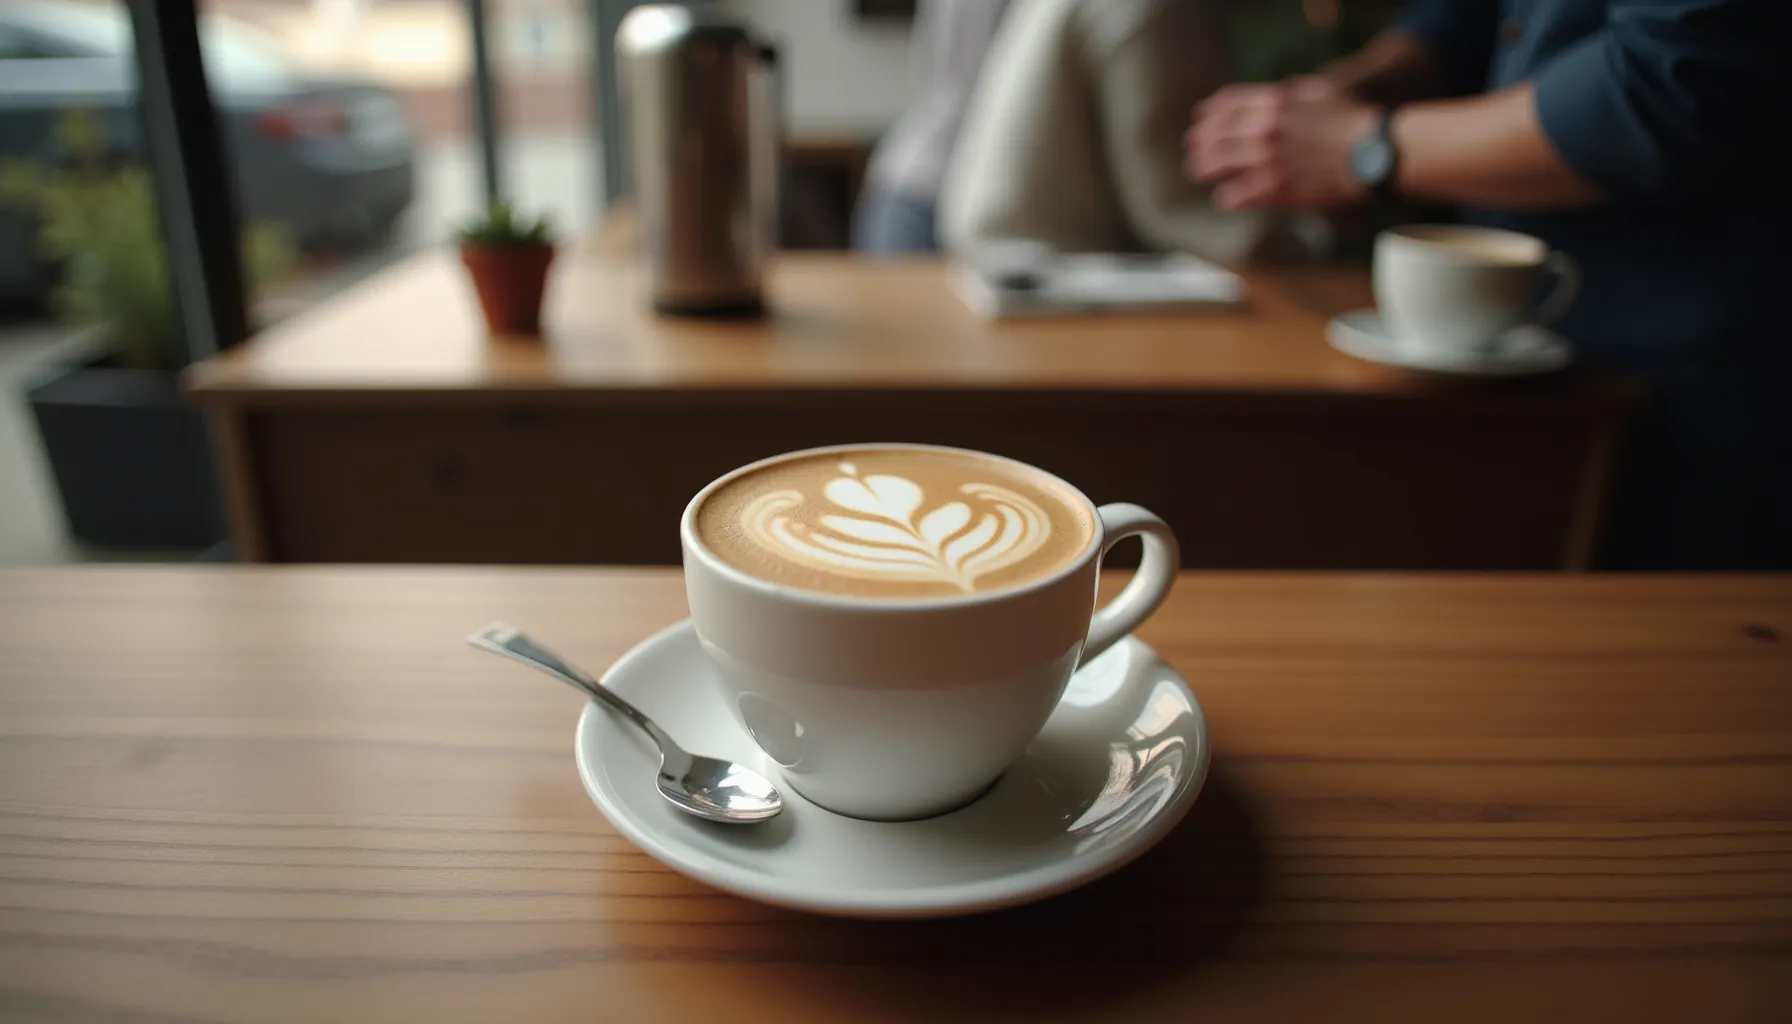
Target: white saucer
1118,764
1521,352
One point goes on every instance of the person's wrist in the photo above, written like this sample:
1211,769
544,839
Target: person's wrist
1365,119
1316,86
1349,78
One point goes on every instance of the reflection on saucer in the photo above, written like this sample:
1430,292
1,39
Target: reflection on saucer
773,729
1098,681
1119,763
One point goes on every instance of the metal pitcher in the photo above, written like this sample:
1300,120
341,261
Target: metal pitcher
700,98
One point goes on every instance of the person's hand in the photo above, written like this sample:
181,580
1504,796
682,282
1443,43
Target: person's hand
1316,87
1278,145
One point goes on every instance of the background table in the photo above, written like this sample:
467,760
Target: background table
285,794
384,426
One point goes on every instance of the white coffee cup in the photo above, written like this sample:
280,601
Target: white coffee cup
898,709
1458,289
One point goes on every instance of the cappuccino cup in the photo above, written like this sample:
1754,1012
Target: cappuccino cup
894,623
1457,289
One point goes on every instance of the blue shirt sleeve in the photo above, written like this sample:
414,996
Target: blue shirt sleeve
1668,99
1460,34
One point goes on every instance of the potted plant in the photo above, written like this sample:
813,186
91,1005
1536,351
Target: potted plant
131,461
508,259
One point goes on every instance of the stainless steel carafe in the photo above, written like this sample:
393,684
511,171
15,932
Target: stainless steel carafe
700,103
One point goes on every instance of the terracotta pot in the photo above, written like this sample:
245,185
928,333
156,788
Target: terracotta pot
510,280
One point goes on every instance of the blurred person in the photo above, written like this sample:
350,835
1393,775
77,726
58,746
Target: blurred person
896,213
1646,139
1074,137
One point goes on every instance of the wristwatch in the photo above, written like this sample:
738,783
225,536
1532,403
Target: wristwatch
1374,160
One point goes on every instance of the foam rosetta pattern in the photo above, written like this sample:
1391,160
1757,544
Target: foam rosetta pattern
887,528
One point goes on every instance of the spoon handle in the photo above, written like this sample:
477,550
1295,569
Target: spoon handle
510,642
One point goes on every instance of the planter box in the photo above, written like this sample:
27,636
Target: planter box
132,462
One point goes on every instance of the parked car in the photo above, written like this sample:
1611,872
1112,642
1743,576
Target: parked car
329,157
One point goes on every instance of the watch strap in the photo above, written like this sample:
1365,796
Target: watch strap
1385,188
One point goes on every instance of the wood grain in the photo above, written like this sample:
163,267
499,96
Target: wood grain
383,426
838,323
237,794
1240,483
243,487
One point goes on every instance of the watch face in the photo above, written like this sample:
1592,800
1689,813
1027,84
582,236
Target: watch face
1371,160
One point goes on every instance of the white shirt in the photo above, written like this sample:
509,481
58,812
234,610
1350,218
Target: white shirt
950,39
1075,135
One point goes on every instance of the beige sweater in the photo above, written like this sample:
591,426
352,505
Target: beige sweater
1075,135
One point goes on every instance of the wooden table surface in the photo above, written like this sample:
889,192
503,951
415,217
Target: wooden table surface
291,794
385,426
838,323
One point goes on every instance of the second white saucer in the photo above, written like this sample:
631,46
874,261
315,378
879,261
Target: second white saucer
1521,352
1119,763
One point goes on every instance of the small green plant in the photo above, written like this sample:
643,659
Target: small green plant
499,225
98,223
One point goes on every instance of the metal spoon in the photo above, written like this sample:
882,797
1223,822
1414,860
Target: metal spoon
704,786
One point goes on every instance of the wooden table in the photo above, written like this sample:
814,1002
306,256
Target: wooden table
384,426
290,794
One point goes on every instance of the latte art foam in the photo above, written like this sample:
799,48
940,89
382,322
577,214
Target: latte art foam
885,532
895,522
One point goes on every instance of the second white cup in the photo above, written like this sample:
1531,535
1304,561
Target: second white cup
1458,289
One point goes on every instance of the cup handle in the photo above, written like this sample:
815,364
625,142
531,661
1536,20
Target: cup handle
1148,586
1562,296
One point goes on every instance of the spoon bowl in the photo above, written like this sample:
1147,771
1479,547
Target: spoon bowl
707,787
719,790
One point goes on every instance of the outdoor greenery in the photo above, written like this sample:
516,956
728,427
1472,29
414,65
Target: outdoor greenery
500,226
1274,39
98,223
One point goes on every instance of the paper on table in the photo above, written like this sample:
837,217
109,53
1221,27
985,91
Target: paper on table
1099,283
